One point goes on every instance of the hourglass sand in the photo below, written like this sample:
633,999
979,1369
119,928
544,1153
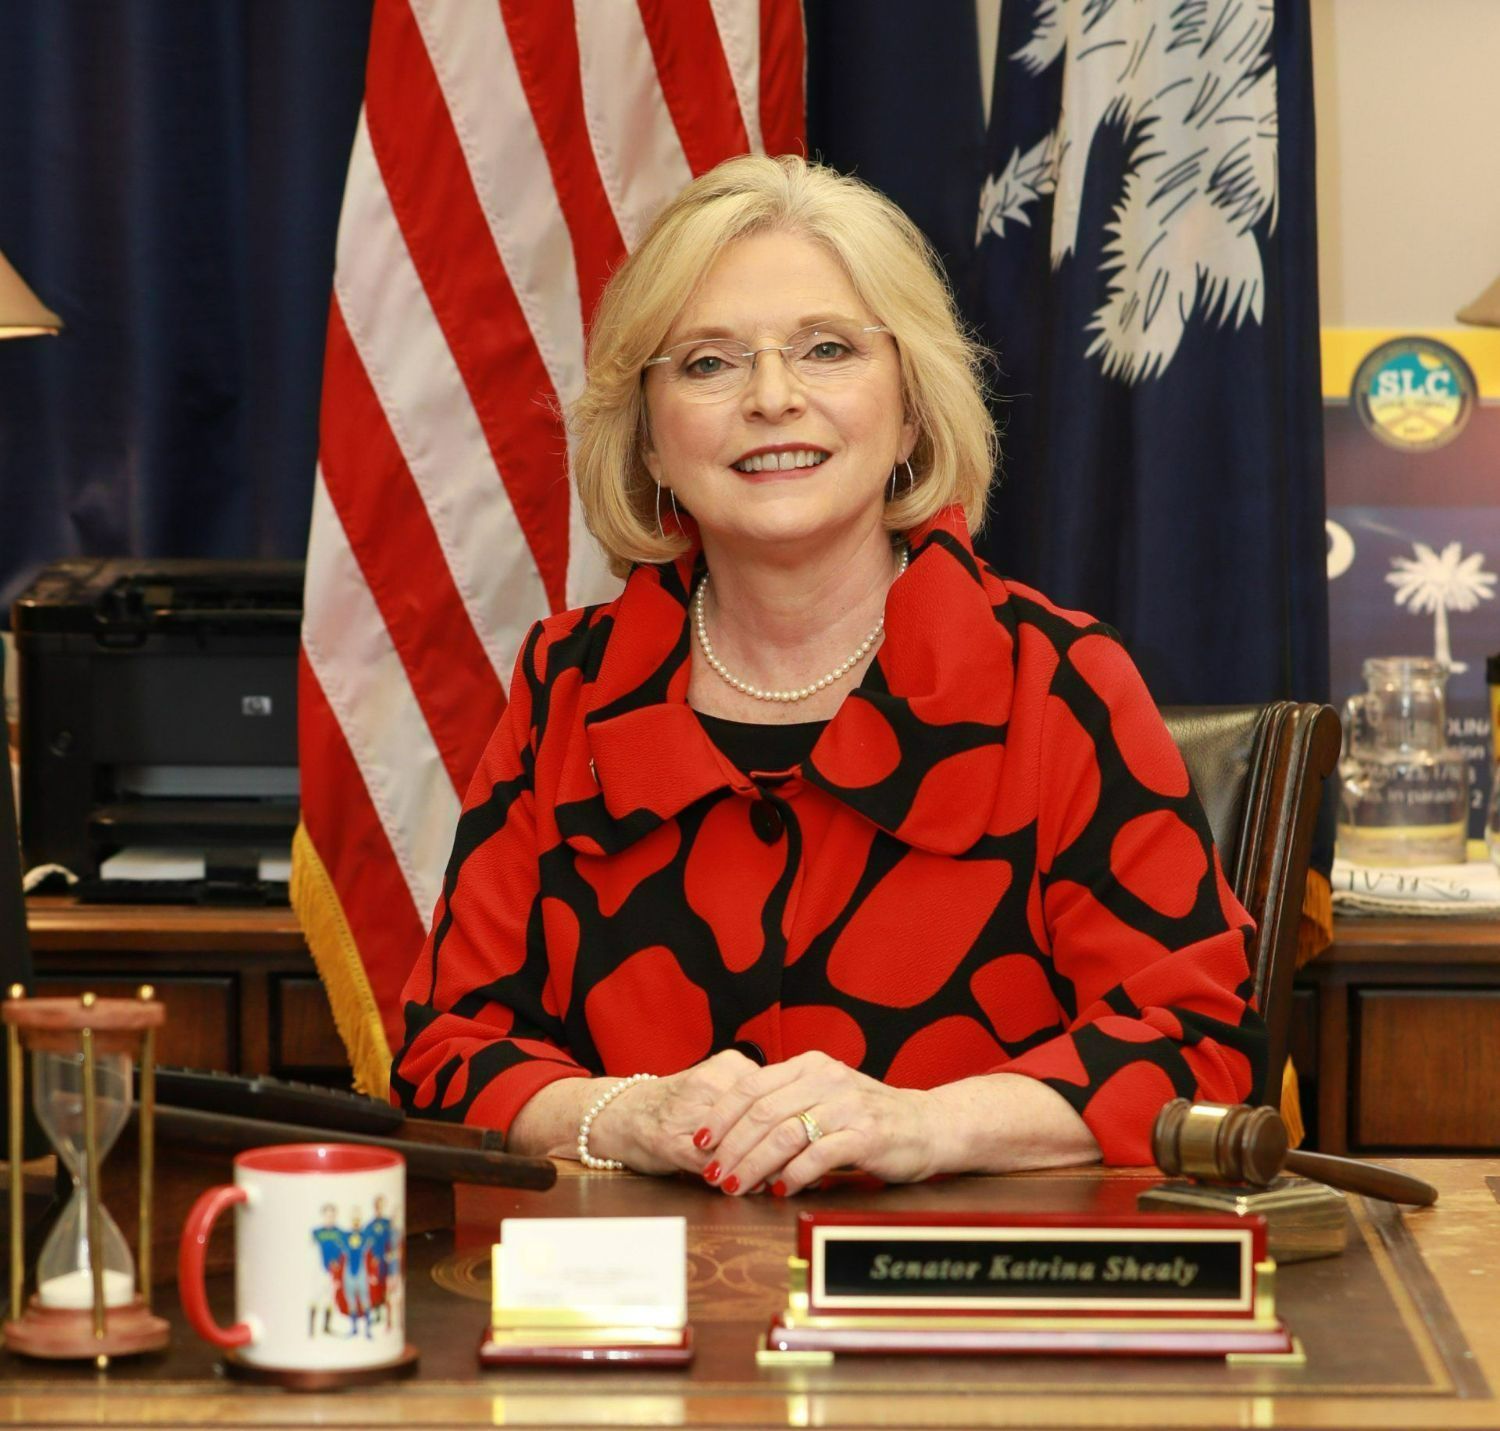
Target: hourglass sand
86,1303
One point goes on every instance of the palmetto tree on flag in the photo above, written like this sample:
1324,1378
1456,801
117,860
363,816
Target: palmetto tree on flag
1440,584
1194,87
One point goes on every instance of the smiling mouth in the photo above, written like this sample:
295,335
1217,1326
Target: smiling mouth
781,461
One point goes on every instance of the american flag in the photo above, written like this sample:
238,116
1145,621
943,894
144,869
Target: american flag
509,153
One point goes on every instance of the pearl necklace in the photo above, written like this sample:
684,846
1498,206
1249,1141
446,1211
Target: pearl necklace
803,692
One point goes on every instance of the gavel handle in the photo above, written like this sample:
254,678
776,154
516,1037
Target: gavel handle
1351,1175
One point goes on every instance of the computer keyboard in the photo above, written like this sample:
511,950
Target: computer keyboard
276,1100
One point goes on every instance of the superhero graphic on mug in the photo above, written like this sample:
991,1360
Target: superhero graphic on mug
329,1242
381,1238
354,1272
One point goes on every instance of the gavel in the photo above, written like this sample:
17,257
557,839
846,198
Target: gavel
1234,1143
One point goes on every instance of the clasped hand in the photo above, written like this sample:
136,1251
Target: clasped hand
737,1124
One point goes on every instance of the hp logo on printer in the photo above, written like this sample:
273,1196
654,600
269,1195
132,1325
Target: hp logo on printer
255,705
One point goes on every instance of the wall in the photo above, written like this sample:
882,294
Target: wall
1408,111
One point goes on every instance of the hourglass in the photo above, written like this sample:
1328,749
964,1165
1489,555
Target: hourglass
86,1302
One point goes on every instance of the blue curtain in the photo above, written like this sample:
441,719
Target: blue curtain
893,96
172,172
172,175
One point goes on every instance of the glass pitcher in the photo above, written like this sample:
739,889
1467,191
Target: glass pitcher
1405,790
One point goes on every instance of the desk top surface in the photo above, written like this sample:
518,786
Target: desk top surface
1400,1332
60,923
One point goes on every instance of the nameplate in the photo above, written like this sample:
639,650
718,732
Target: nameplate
1050,1264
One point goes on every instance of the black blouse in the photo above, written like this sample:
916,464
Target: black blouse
752,746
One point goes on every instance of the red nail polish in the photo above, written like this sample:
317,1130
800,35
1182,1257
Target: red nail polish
711,1172
731,1185
778,1188
702,1138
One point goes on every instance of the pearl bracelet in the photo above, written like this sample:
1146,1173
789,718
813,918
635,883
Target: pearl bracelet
612,1165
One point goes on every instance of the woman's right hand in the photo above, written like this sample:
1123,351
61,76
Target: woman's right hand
650,1126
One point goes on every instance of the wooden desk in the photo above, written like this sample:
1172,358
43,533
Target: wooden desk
241,990
1396,1034
1428,1355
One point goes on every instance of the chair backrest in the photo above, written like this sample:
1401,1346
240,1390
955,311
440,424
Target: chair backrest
1259,772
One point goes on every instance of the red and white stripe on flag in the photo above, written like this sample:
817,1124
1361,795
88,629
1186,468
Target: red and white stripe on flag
509,152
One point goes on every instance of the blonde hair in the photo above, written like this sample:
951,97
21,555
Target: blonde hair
891,267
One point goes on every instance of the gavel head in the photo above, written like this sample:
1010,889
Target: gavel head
1219,1142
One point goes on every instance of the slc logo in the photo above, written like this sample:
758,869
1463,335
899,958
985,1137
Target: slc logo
1414,393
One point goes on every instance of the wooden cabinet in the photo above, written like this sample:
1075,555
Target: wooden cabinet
306,1038
199,1032
1427,1067
241,991
1396,1037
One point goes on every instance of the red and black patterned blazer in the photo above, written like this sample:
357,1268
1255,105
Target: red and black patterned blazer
993,860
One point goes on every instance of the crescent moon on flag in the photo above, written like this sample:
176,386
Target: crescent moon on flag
1340,550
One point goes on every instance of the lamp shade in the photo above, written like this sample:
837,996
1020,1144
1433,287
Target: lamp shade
22,313
1484,311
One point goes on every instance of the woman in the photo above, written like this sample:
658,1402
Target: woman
821,846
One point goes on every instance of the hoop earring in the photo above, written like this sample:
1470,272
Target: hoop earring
676,515
911,481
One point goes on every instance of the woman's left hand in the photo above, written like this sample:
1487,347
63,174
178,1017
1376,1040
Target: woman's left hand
754,1133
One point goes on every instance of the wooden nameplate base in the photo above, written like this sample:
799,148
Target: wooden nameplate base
1196,1285
579,1336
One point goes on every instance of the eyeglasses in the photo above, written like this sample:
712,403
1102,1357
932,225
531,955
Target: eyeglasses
713,369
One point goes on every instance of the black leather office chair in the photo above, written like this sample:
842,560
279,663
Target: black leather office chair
1259,771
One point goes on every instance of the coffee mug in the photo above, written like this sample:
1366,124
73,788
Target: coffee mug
319,1276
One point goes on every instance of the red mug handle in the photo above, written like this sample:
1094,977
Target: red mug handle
190,1253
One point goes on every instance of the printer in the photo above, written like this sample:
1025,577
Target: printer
159,719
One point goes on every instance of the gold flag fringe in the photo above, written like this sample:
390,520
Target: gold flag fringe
355,1012
1315,929
1291,1105
1314,935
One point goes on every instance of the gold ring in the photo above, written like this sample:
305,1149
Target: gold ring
811,1124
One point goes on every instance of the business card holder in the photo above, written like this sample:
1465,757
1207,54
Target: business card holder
986,1284
579,1336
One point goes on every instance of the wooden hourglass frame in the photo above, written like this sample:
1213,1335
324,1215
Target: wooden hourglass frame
86,1030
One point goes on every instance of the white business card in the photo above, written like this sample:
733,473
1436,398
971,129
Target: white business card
555,1263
